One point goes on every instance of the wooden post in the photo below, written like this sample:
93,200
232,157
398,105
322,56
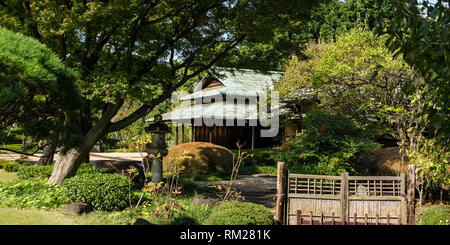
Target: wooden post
176,134
281,191
192,132
411,194
299,217
182,133
332,219
253,137
344,195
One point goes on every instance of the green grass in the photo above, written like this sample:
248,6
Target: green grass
436,215
13,216
7,176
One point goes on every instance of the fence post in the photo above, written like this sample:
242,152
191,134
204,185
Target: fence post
299,217
281,192
411,194
344,195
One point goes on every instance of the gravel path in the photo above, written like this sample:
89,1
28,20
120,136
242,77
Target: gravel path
257,188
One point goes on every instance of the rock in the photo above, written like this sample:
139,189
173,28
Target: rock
78,208
209,202
140,221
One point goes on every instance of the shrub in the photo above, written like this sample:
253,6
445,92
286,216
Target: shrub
108,192
32,193
11,167
201,158
258,157
328,145
35,172
44,172
436,215
3,163
240,213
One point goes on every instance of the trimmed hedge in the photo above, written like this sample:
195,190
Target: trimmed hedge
240,213
107,192
203,158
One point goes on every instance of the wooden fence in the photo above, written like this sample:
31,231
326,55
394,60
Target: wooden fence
320,199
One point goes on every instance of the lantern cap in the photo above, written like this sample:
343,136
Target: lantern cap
158,126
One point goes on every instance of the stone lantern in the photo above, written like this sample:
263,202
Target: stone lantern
158,145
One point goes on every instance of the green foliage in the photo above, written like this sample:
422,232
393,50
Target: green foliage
11,167
3,163
32,193
328,145
44,172
108,192
432,162
439,215
36,88
37,172
240,213
335,17
419,32
257,157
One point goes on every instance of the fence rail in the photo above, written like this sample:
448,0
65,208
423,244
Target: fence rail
325,199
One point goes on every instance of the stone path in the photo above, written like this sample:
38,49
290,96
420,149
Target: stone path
257,188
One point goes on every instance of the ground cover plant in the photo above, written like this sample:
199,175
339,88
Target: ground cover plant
240,213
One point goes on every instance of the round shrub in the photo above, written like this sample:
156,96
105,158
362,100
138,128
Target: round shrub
107,192
199,158
240,213
11,167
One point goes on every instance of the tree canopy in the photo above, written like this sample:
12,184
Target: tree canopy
420,32
37,91
142,49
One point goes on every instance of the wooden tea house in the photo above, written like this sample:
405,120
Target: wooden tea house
224,108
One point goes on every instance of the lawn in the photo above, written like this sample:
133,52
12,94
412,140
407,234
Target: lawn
13,216
7,176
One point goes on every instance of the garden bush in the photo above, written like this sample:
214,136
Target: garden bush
260,157
330,144
240,213
3,163
201,158
32,193
107,192
44,172
11,167
35,172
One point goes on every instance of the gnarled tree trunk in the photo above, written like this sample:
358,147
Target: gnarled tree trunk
68,163
48,155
